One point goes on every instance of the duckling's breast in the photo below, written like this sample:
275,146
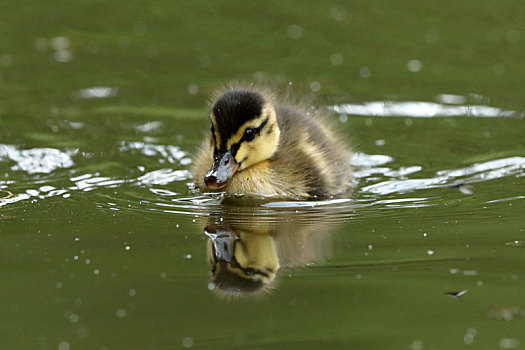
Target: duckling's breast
263,180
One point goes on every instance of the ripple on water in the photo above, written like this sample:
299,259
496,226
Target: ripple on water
171,154
479,172
164,177
371,170
37,160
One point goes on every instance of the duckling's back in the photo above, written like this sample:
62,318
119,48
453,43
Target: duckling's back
311,155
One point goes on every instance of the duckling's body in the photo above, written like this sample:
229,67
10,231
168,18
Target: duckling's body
260,147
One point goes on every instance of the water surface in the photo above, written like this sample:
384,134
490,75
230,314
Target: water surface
105,244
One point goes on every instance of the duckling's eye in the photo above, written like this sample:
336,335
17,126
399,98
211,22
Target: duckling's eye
249,271
249,134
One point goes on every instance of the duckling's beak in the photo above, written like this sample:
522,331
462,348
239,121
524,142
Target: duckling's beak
223,168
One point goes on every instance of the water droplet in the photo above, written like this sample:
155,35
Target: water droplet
73,318
294,32
336,59
338,12
193,89
121,313
416,345
187,342
64,345
509,343
315,86
468,339
63,56
431,36
414,66
60,43
365,72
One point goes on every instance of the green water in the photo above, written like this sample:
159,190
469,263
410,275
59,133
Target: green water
103,244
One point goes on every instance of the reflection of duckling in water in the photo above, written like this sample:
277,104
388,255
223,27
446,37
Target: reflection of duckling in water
260,146
241,262
245,257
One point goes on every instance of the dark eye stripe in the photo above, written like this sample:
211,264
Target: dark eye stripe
213,134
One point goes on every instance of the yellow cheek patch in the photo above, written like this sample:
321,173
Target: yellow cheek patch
263,146
242,154
258,150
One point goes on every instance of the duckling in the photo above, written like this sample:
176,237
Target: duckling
260,146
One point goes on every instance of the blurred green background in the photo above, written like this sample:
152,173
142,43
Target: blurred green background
154,51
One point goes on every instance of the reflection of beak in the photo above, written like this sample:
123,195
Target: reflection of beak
223,243
223,168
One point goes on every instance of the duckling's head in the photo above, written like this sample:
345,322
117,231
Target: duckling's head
244,132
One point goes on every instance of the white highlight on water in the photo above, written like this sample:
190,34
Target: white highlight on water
420,109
